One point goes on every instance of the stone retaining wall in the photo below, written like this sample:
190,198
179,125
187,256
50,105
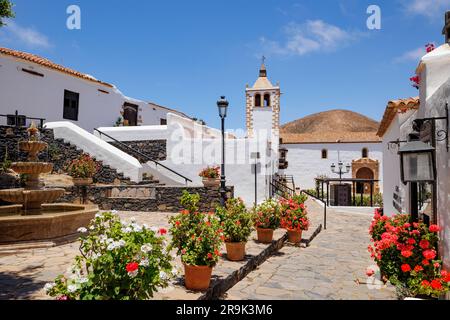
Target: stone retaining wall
141,198
58,153
155,149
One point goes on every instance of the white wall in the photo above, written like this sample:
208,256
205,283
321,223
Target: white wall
42,97
399,129
306,163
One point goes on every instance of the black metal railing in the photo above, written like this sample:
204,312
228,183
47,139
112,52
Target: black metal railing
143,155
279,188
18,120
324,206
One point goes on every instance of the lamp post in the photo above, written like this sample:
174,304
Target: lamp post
341,170
417,162
222,104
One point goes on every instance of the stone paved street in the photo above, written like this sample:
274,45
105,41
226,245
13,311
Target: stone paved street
327,269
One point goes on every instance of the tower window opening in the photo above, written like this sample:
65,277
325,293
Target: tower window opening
267,100
365,153
258,100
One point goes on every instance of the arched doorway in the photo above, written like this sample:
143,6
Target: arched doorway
364,173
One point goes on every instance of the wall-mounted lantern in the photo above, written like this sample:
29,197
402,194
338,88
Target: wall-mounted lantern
417,163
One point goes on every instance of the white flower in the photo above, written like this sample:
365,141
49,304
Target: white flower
127,230
146,248
163,275
144,262
91,228
82,230
49,286
72,288
111,246
98,215
121,243
164,251
114,212
154,229
145,226
174,271
133,219
136,227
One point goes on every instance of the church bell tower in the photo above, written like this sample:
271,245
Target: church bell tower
263,105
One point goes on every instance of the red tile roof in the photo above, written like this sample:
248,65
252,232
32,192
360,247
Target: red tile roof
394,107
49,64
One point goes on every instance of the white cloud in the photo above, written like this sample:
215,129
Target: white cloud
412,55
428,8
30,37
312,36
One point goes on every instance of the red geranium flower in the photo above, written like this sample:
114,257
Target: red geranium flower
434,228
425,283
406,268
407,253
411,241
436,285
132,266
177,223
418,268
162,231
424,244
370,272
210,256
425,262
429,254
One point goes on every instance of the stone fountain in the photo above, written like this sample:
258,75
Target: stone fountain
31,217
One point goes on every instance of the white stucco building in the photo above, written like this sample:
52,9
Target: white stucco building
39,88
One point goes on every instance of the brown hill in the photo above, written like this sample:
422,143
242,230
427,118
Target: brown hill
331,126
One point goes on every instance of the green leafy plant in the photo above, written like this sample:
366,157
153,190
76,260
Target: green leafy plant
267,215
235,220
210,172
406,254
83,167
196,236
294,215
6,11
118,261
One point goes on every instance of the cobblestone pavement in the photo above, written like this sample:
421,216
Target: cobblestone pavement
23,274
326,270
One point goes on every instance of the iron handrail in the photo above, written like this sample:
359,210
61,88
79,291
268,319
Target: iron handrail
284,189
143,155
324,206
17,116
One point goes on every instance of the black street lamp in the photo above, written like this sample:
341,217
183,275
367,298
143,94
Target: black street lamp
417,162
341,170
222,104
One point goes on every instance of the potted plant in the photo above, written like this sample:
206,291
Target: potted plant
119,261
82,170
294,218
406,254
237,226
211,176
266,218
197,237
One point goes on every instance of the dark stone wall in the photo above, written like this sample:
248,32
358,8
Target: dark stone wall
155,149
162,199
59,153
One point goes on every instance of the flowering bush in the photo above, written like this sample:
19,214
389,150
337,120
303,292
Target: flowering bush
236,221
294,215
407,254
210,172
197,236
430,47
119,261
267,215
83,167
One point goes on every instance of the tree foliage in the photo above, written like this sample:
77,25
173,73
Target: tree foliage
6,11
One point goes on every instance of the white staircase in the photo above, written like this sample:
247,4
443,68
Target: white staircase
98,148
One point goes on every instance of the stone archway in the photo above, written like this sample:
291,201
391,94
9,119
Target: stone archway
366,168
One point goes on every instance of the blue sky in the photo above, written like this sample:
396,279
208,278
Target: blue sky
185,54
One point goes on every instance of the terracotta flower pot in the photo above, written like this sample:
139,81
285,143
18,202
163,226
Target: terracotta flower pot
211,182
197,278
294,236
265,235
235,250
82,181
